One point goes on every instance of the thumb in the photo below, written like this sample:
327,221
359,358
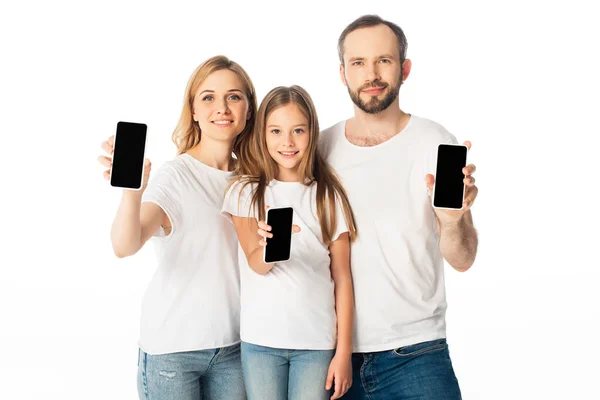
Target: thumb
329,382
295,228
429,181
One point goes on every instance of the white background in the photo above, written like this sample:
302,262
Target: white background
520,80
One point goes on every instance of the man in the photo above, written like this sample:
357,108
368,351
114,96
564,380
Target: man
385,158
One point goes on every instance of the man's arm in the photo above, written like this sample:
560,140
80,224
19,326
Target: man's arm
458,242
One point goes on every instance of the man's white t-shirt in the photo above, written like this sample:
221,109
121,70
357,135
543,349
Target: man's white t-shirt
192,301
293,305
396,263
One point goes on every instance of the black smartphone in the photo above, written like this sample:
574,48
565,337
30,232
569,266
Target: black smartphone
127,169
279,247
449,188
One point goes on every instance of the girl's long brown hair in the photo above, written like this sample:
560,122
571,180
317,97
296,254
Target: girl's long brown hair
257,167
187,134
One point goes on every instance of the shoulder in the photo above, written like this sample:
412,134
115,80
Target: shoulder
430,130
329,136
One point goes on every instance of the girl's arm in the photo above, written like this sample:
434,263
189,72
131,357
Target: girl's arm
252,243
340,369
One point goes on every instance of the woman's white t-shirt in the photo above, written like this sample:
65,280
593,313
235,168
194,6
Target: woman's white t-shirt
293,305
192,301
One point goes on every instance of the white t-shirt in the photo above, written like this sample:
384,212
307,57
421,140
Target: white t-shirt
192,301
293,305
396,263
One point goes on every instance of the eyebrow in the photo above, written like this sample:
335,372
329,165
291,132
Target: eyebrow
352,59
295,126
212,91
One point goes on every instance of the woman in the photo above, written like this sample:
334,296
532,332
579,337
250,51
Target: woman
296,320
189,337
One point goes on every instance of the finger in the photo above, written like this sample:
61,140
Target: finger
469,169
470,197
295,228
106,175
111,141
429,181
267,207
329,379
105,161
338,390
469,181
262,242
264,226
107,148
147,163
265,234
468,144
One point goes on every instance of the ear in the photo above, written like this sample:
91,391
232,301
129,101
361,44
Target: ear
343,75
249,114
406,67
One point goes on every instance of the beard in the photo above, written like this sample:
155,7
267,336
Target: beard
375,105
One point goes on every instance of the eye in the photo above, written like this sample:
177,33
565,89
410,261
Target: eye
235,97
275,131
298,131
208,97
385,60
356,63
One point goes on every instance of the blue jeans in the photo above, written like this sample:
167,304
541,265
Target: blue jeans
421,371
214,374
280,374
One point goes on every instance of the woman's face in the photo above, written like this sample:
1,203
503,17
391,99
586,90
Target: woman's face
221,106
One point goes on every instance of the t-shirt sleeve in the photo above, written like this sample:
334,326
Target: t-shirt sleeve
163,190
341,225
237,201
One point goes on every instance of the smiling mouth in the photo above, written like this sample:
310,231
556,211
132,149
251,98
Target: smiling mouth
288,153
223,122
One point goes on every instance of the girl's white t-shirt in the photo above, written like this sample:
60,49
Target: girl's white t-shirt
192,301
293,305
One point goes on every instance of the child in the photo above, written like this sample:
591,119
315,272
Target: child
297,316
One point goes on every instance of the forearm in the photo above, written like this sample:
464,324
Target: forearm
458,242
126,230
255,261
344,308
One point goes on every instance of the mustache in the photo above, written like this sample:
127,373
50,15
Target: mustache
373,85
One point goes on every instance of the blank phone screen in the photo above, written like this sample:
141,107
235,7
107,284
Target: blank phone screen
279,246
449,185
128,156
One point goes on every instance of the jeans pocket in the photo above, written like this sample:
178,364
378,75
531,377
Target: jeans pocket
421,348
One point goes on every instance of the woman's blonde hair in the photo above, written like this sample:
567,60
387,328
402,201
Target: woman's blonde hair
261,168
187,133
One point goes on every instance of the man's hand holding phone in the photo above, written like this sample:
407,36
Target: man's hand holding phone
454,215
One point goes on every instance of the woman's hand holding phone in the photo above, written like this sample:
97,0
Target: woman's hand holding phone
108,147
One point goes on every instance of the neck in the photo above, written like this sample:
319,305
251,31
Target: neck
387,122
287,175
215,154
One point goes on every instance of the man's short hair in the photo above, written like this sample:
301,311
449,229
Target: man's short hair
373,20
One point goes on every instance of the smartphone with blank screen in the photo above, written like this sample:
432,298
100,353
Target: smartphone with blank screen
449,188
279,247
127,170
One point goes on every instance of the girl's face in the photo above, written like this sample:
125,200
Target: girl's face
221,107
287,138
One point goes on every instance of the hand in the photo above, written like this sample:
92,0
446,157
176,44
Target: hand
109,147
340,373
451,216
264,230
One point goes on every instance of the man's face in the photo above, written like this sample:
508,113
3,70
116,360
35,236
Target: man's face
372,70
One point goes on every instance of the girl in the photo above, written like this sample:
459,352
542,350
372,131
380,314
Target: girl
189,338
288,316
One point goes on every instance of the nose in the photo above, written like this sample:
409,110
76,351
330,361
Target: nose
222,107
288,140
373,73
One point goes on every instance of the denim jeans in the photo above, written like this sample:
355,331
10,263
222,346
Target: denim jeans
214,374
421,371
280,374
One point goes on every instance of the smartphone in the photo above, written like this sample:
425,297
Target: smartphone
449,188
279,247
127,169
